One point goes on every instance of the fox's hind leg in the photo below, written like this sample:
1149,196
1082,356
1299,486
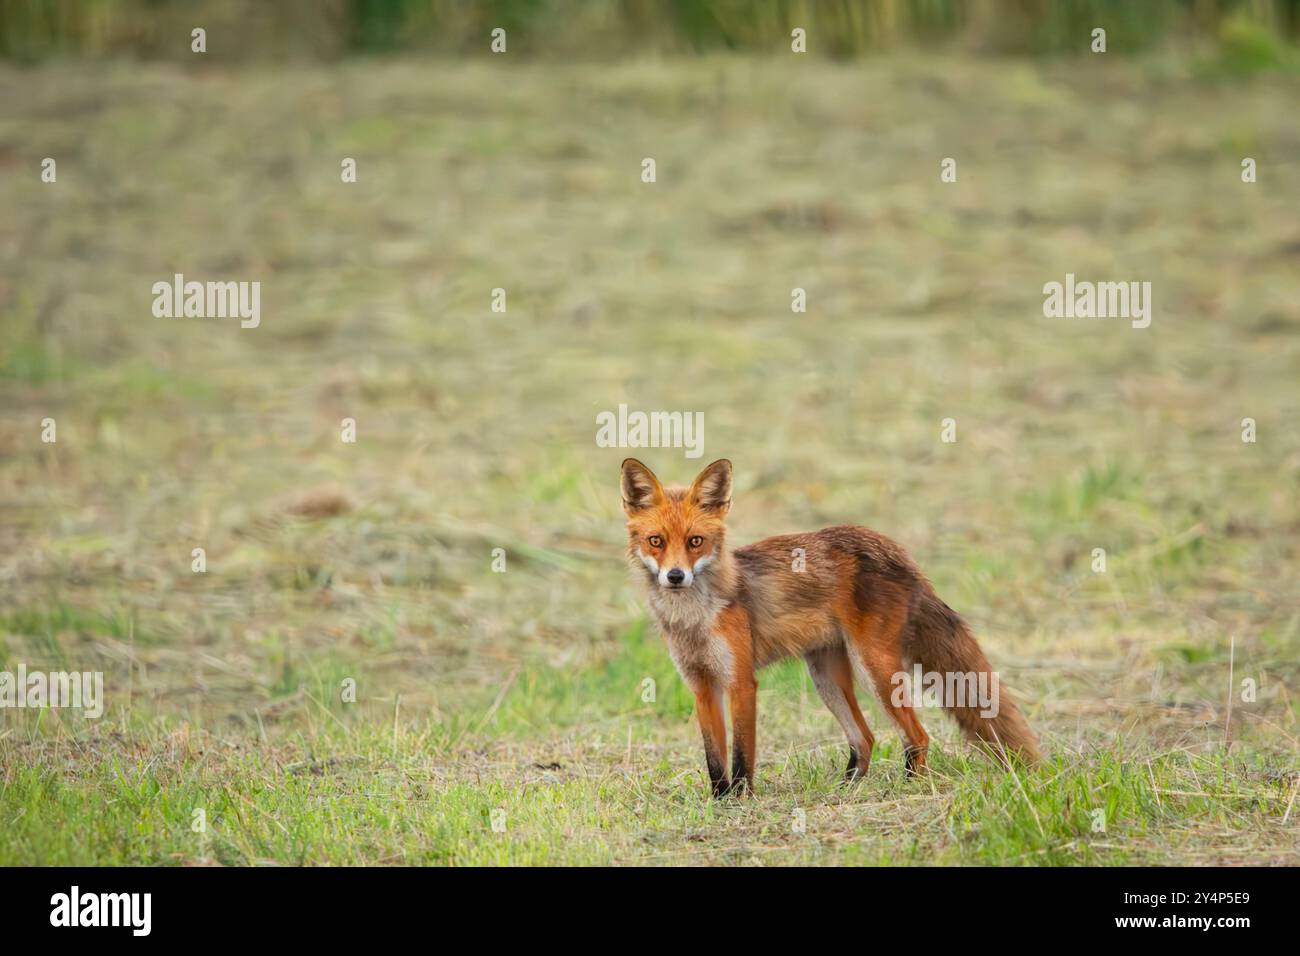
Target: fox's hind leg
832,675
876,642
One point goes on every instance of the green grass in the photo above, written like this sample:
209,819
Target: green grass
585,770
477,691
570,791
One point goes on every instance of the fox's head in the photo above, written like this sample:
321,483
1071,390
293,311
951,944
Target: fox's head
676,534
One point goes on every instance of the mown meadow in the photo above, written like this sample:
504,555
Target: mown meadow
350,680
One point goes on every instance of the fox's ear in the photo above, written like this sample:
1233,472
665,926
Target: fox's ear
711,488
641,489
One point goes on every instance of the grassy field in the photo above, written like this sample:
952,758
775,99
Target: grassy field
516,698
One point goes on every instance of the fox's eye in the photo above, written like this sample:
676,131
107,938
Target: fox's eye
695,541
655,541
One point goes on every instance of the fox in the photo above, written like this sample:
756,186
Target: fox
846,599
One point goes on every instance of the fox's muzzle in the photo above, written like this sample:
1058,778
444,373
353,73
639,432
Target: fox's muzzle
675,578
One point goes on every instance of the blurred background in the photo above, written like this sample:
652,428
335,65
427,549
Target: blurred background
329,29
476,429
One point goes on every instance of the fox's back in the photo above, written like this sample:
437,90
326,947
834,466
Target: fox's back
801,589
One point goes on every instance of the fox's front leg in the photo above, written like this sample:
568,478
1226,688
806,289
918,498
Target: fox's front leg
732,628
713,726
743,694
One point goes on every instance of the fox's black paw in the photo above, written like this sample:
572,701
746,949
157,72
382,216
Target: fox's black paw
915,760
857,768
732,788
739,787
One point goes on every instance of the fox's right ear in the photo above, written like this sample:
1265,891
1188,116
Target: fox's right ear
641,489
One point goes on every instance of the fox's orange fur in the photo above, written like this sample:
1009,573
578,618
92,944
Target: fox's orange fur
857,607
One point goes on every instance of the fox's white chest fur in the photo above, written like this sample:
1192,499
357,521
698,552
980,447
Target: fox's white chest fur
686,618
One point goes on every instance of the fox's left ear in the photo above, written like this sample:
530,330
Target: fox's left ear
711,488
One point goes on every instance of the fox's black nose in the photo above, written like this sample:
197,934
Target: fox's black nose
676,576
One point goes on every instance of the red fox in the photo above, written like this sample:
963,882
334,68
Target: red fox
847,600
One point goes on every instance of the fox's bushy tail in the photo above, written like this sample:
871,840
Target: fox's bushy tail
941,642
